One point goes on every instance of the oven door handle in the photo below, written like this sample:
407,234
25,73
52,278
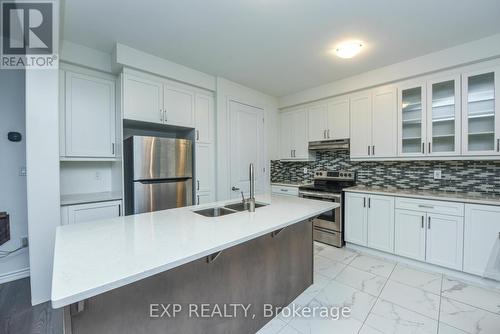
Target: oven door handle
326,196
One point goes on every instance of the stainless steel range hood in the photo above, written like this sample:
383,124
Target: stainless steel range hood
329,145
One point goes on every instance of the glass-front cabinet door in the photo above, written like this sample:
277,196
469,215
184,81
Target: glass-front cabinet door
412,120
443,116
480,117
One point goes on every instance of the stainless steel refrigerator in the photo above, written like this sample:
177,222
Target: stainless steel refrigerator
158,174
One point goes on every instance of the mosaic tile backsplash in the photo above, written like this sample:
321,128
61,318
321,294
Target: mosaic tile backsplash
477,177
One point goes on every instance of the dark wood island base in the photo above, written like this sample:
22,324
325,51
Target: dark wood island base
269,270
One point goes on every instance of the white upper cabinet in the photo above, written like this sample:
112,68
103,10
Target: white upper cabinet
89,116
178,105
338,118
204,118
443,115
318,122
142,99
412,119
480,112
152,99
384,122
294,138
361,125
329,120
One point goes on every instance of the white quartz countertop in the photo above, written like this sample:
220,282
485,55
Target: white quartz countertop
429,194
73,199
95,257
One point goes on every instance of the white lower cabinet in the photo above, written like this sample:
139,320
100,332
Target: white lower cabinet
380,218
81,213
409,232
429,234
482,233
355,218
370,221
444,244
204,198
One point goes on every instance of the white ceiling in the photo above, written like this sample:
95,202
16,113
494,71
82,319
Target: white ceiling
280,46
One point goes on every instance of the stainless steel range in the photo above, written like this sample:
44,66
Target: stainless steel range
328,185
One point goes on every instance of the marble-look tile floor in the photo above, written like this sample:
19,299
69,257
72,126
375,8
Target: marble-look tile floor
389,298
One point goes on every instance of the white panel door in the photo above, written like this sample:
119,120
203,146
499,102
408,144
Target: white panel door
286,125
204,167
481,237
204,116
380,225
247,146
445,238
94,211
338,118
317,122
356,218
384,122
179,106
481,112
142,99
361,125
90,116
299,135
409,234
443,116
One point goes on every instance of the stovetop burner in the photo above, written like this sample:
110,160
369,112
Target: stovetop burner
331,181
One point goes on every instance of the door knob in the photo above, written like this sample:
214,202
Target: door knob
235,189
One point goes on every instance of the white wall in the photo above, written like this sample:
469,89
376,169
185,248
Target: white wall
227,90
42,157
12,184
77,54
472,52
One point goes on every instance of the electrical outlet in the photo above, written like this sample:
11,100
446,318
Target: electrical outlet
437,174
24,242
304,170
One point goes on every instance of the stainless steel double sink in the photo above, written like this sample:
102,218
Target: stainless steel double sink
225,210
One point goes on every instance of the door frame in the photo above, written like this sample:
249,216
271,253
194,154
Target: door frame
227,130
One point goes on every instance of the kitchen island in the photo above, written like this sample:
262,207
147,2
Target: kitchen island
127,268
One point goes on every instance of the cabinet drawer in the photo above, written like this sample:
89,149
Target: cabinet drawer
436,207
284,190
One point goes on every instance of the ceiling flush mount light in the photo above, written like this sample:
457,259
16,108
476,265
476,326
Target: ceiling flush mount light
348,49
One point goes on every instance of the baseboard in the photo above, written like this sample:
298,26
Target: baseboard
474,279
15,275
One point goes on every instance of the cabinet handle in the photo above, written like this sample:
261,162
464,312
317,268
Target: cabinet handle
368,149
284,190
498,145
328,133
423,148
197,134
198,199
161,115
324,134
364,202
291,153
429,151
119,209
423,221
113,148
294,153
429,223
369,202
426,206
373,150
197,184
